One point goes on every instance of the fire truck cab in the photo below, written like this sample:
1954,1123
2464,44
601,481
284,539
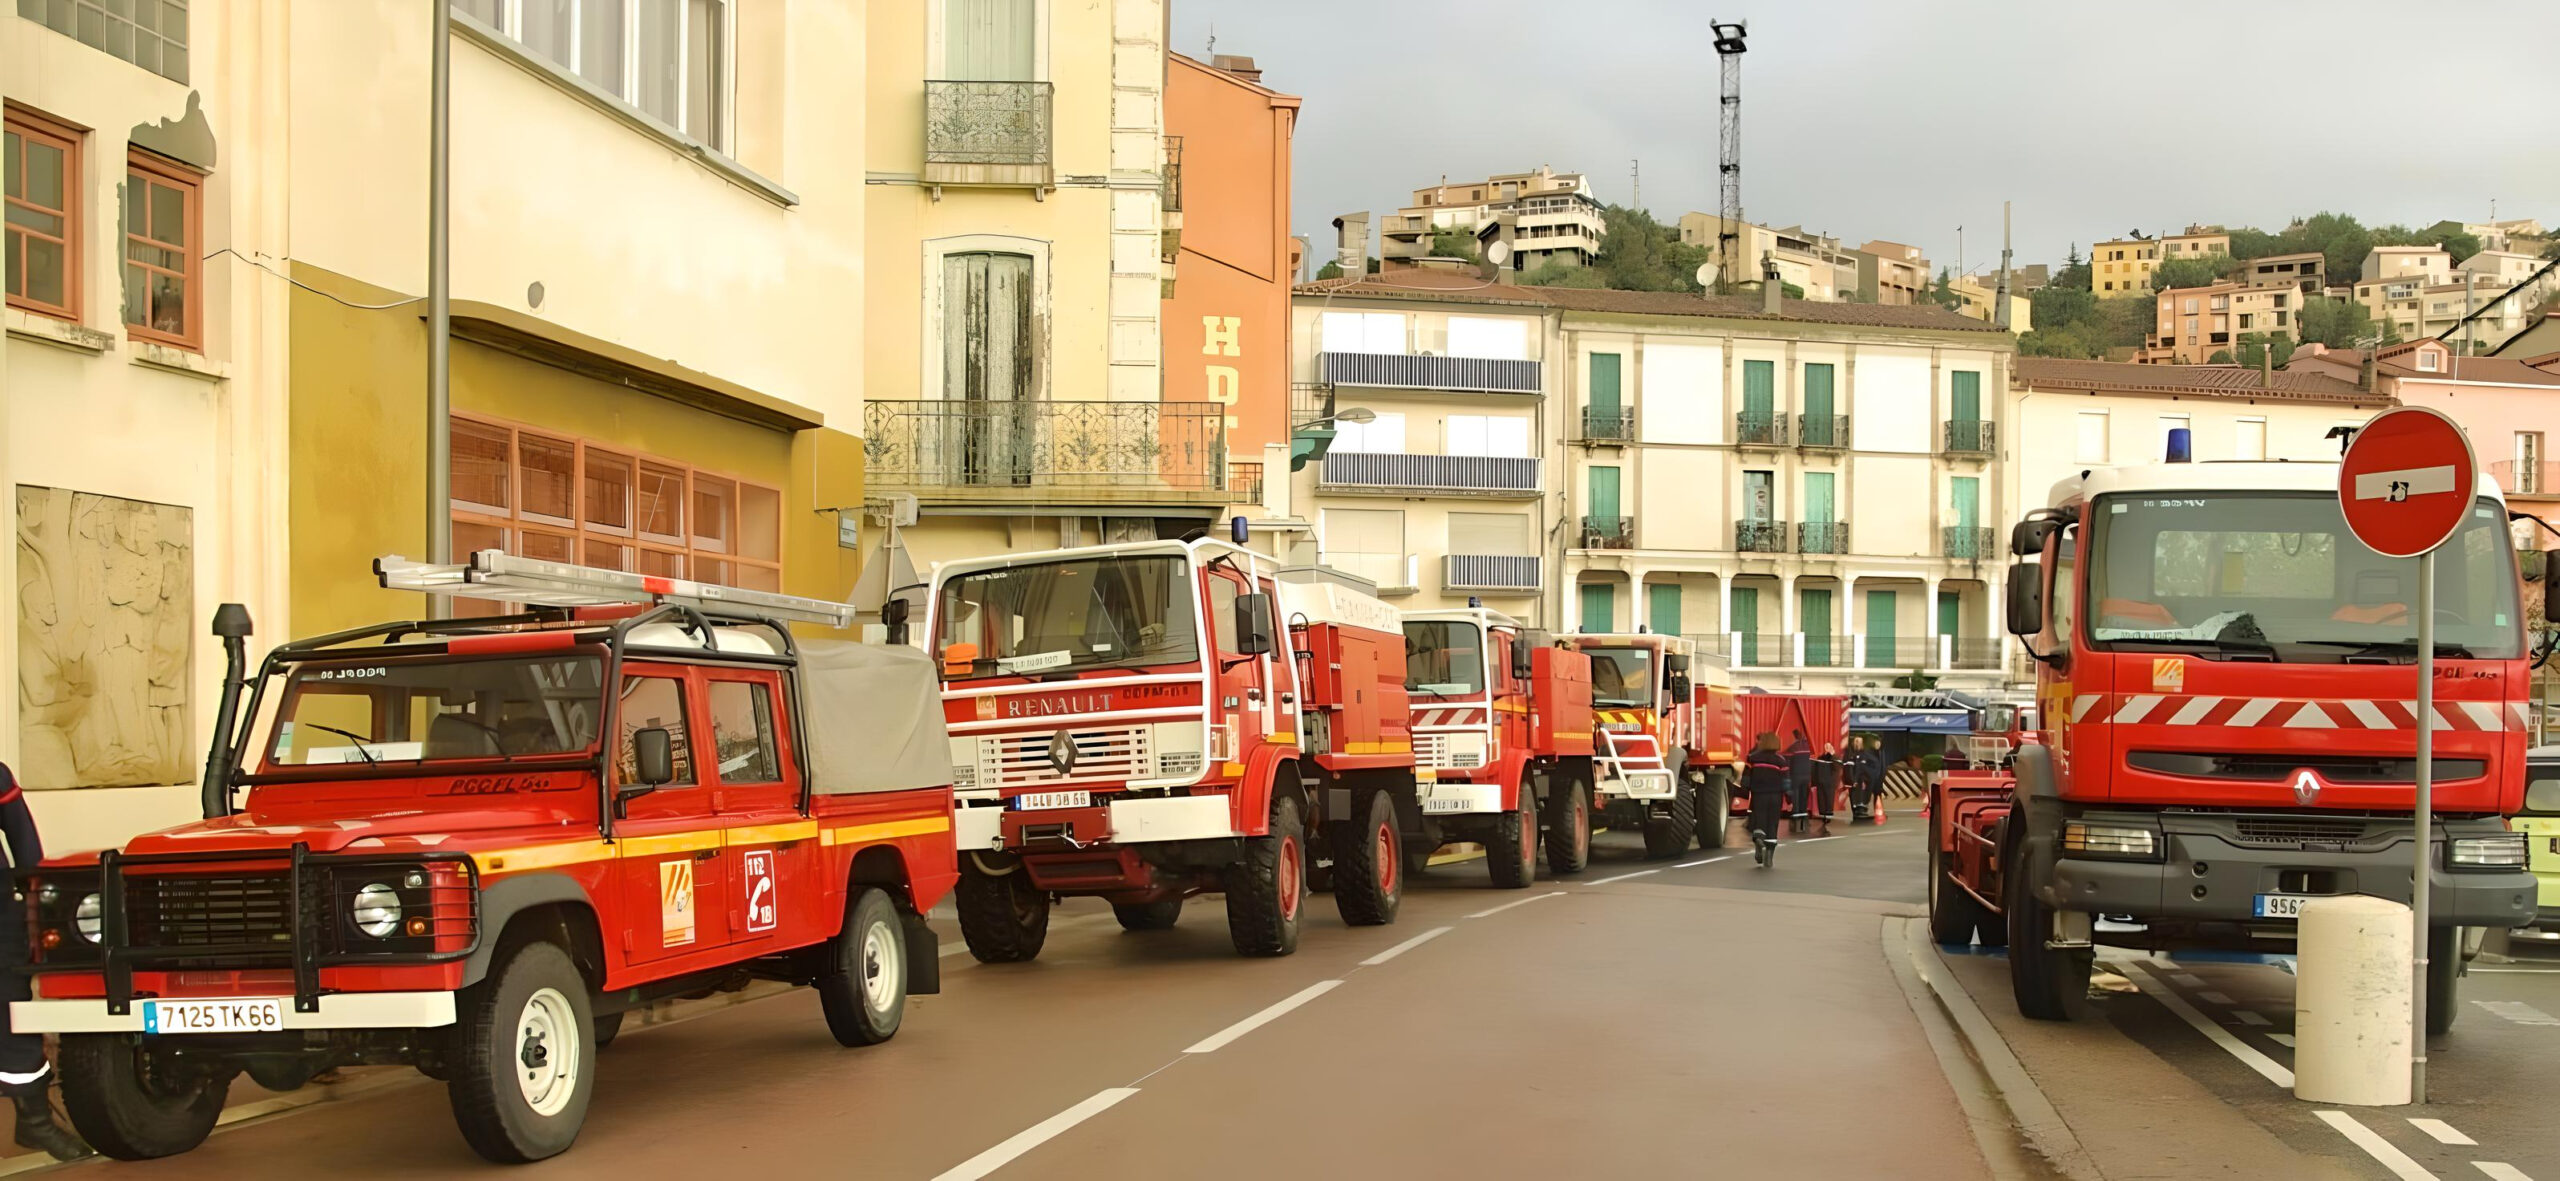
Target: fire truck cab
1502,727
471,845
1643,739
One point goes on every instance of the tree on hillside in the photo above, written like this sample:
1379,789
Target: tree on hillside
2256,346
1453,242
1333,270
2187,272
1559,273
2337,323
1943,292
2458,242
2219,357
2248,243
2074,273
1637,254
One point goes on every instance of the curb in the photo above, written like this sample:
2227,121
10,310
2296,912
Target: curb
1982,1067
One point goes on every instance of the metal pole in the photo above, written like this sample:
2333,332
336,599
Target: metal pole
2425,816
440,298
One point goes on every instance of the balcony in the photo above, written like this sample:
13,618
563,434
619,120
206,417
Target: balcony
1760,428
1969,543
1971,436
1492,573
987,134
1822,537
1138,453
2529,480
1473,475
1405,371
1822,432
1760,537
1608,533
1849,650
1607,426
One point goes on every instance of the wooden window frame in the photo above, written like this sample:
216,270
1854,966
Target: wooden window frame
28,125
151,168
516,522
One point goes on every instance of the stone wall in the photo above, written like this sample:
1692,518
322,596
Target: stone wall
106,610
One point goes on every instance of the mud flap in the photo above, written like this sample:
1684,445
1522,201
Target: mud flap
924,956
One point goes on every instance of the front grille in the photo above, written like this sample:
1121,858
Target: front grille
2281,768
1431,750
2293,831
177,912
1101,755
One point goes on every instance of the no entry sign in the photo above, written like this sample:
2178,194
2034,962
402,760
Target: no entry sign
2406,481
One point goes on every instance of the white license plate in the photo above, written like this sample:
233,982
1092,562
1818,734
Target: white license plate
2282,906
1041,800
243,1015
1447,804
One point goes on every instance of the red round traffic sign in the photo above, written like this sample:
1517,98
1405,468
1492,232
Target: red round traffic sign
2406,481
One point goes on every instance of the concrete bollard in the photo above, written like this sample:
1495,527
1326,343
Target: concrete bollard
2351,1002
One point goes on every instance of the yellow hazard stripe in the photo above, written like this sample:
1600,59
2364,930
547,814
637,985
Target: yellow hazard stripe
772,834
673,842
885,830
1584,734
1510,707
1389,747
1282,739
553,856
532,857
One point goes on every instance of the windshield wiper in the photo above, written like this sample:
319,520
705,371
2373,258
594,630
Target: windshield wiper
2234,645
2407,647
369,760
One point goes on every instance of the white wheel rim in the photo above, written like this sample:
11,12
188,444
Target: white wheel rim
883,968
548,1045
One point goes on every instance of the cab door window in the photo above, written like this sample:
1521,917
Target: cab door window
1222,614
654,702
742,733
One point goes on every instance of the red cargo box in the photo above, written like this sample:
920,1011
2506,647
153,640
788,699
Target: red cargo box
1822,719
1561,680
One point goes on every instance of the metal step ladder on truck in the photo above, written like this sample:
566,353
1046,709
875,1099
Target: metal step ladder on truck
2229,730
1501,723
471,845
1646,776
1148,721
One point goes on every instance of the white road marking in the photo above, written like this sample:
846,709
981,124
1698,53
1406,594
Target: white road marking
1814,840
2188,979
1035,1135
2249,1056
1624,876
1215,1041
2281,1039
2246,1017
2376,1147
2215,998
2519,1012
1486,914
1407,945
2518,971
2499,1170
2444,1133
1708,861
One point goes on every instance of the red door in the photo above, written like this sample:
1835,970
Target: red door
771,848
675,886
1243,703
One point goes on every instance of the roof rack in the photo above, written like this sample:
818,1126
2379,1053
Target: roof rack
497,574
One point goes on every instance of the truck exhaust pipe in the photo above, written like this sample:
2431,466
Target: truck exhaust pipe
231,623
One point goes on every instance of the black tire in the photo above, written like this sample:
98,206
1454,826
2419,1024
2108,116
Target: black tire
530,1014
1715,813
863,987
122,1106
1954,915
1569,826
1266,891
1668,835
2444,976
608,1027
1368,865
1003,917
2050,984
1159,915
1511,850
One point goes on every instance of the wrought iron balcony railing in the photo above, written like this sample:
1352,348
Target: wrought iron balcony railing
1760,537
987,133
1823,432
1008,448
1971,436
1760,428
1608,533
1971,543
1608,426
1492,475
1491,572
1405,371
1822,537
2535,478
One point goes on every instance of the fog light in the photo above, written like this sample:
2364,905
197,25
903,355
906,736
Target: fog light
90,917
2127,842
2504,850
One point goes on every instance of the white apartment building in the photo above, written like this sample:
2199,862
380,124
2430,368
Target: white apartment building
1815,264
2406,262
1552,217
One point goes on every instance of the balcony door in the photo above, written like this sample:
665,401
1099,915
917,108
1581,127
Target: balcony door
1967,491
1820,427
1601,421
1746,621
1881,605
990,40
989,367
1815,611
1818,510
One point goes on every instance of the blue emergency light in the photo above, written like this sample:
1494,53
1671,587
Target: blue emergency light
1237,528
2182,445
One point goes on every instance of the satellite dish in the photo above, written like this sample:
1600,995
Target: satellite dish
1706,274
1498,253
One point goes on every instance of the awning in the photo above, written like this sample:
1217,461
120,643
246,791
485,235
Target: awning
1917,721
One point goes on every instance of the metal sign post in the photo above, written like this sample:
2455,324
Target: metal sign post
2426,813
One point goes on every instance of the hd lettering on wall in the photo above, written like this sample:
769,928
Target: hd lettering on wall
1221,337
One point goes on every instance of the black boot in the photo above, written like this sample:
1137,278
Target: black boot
36,1128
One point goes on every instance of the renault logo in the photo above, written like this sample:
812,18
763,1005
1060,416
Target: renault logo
2306,787
1062,753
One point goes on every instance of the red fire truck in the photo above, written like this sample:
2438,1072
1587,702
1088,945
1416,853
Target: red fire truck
1148,721
2228,730
1502,724
1645,719
471,845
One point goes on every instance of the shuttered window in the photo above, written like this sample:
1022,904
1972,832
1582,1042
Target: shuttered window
1489,533
989,40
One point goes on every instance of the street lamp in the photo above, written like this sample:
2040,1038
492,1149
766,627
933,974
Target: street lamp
1310,440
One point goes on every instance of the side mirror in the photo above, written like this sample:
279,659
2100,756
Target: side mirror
1253,625
1523,656
893,617
2550,580
653,754
2027,537
2026,598
1676,664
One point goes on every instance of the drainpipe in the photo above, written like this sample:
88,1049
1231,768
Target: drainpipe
2367,380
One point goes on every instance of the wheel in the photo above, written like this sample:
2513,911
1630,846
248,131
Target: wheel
1954,915
863,987
2444,976
1003,917
1569,827
1668,835
1159,915
607,1026
1511,852
133,1104
524,1042
1715,812
1267,890
1368,865
2051,984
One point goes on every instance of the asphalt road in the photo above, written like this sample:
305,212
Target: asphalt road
1643,1019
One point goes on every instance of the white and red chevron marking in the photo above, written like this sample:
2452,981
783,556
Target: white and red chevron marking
1449,717
2293,713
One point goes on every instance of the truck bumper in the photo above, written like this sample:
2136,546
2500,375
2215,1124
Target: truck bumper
989,826
2212,875
1445,798
338,1010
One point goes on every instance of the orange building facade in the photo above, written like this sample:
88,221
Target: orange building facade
1226,306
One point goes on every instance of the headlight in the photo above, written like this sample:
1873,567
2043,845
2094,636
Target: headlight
377,911
2503,850
90,917
1178,762
2116,840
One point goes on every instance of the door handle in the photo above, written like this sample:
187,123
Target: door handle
706,855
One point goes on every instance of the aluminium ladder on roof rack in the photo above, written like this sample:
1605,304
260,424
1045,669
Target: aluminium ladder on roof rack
1635,762
497,574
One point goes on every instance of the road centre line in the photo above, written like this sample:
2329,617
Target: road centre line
1217,1040
1035,1135
1813,840
2443,1132
1486,914
2499,1170
2519,1012
1708,861
2375,1146
1624,876
2281,1039
2245,1017
1407,945
2215,998
2248,1055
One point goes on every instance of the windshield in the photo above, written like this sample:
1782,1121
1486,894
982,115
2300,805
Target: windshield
2541,788
1079,613
1622,677
1444,658
2277,573
413,709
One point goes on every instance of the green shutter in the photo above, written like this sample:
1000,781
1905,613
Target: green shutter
1599,607
1816,614
1817,499
1968,396
1819,428
1604,497
1950,611
1746,620
1880,608
1604,385
1968,498
1760,387
1662,608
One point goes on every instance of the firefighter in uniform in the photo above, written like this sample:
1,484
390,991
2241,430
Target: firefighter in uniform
24,1073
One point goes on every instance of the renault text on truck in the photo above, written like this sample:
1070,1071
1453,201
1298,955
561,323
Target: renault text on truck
1502,721
471,845
1646,723
2227,696
1149,721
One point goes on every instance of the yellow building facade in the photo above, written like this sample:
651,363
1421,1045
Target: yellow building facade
2123,267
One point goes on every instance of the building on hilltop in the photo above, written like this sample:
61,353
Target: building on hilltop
1550,215
1979,295
1892,273
2197,242
1814,264
2122,267
2307,272
2193,324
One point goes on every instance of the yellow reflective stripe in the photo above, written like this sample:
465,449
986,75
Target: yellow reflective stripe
532,857
1582,734
1231,770
885,830
772,834
1510,707
674,842
1282,739
1387,747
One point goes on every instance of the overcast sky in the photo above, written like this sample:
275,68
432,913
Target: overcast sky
1904,119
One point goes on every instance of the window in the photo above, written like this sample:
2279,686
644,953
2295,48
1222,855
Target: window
1367,542
1483,336
1384,435
569,500
1489,434
2093,437
2426,361
654,703
667,58
1363,332
162,276
42,161
2249,439
990,40
742,732
990,345
1490,533
151,34
2528,468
